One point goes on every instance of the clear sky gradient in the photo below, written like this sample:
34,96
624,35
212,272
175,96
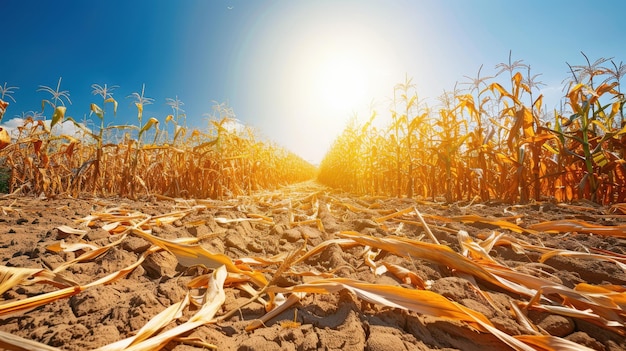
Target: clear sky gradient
295,70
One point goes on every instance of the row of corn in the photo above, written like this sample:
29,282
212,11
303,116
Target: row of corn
153,157
493,141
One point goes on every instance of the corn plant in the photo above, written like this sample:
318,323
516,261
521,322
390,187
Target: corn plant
222,161
494,141
106,93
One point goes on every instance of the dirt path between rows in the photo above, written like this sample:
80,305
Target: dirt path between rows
294,220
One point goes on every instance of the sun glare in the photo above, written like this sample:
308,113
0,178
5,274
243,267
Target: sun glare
327,70
340,83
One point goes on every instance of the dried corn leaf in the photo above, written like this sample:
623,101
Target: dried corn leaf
420,301
472,249
394,215
618,261
292,299
36,301
344,243
596,308
13,276
89,255
479,219
17,343
551,343
586,315
191,255
616,293
215,297
522,319
265,219
357,209
42,299
236,220
506,338
261,261
406,276
110,227
153,326
435,253
571,225
196,342
69,230
64,247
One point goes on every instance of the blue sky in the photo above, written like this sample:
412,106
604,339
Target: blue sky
295,70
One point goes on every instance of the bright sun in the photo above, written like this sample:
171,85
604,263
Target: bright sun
340,82
324,78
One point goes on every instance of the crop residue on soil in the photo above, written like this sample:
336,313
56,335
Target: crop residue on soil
261,231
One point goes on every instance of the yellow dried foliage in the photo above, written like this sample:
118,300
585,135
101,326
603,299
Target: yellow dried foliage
257,276
217,163
497,143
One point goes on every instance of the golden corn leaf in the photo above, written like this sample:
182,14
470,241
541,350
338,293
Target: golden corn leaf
573,95
435,253
478,219
5,139
502,91
616,293
595,308
139,110
42,299
195,342
420,301
572,225
69,230
602,89
64,247
57,116
263,261
472,249
89,255
153,326
394,215
38,300
97,110
17,343
621,263
42,276
522,318
114,104
221,220
528,121
12,276
192,255
530,282
405,275
551,343
151,122
215,299
292,299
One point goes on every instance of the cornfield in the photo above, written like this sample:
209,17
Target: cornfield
492,142
122,160
402,239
